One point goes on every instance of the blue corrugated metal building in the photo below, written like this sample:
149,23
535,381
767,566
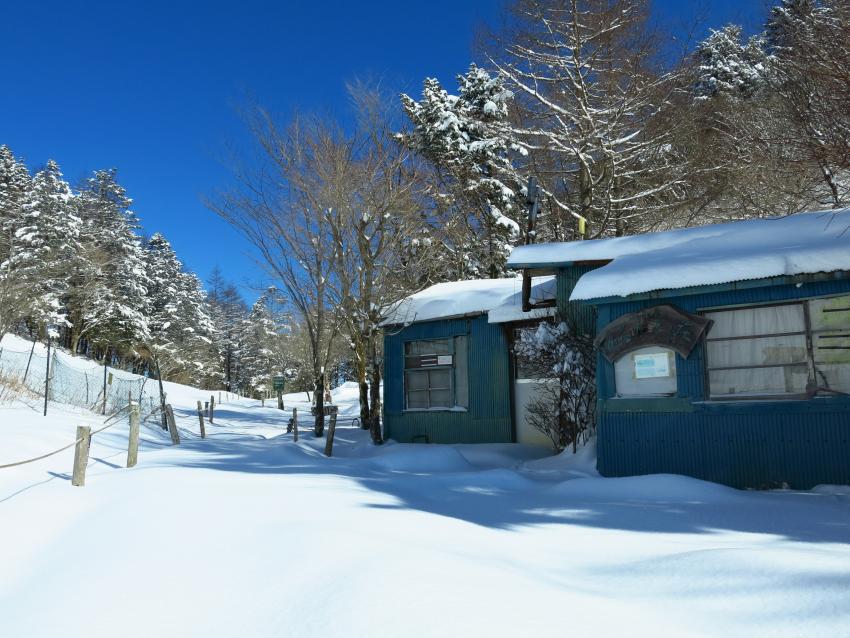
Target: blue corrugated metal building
724,351
447,365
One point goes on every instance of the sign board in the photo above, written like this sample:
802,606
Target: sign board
663,325
278,383
652,366
428,360
109,379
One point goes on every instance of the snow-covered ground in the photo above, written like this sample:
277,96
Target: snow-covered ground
248,533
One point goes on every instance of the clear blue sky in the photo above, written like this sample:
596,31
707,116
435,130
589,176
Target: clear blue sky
152,87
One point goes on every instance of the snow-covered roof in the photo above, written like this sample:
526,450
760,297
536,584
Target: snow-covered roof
720,253
501,298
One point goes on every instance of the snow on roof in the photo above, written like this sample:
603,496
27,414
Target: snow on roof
720,253
477,296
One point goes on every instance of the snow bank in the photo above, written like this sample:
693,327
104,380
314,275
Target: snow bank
500,297
720,253
248,533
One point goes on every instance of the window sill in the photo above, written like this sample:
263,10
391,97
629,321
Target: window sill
457,408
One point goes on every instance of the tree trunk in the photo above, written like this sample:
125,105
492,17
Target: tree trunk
375,392
319,393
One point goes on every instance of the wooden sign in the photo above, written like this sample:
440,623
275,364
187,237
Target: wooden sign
278,383
665,325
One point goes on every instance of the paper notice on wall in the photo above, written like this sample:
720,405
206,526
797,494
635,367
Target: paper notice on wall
444,360
652,366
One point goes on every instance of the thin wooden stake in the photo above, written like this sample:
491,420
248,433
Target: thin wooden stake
201,419
329,441
81,455
172,425
47,378
133,445
295,424
212,407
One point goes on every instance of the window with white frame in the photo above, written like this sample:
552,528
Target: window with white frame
435,374
788,349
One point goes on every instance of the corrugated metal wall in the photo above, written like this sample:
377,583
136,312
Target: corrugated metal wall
743,443
488,419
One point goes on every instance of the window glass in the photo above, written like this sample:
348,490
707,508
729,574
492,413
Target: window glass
744,360
759,381
440,379
430,346
830,320
758,351
649,371
417,380
433,369
765,320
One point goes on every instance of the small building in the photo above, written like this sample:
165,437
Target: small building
448,371
724,350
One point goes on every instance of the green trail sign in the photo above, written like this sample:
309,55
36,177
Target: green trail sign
277,383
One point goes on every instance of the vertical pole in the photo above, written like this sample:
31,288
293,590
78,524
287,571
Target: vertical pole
133,444
207,408
103,409
201,419
26,372
280,399
219,396
47,378
81,455
212,407
295,424
329,441
172,425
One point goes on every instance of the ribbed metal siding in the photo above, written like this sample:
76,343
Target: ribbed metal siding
752,449
743,444
584,314
488,419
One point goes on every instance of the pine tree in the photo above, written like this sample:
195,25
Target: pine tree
465,139
260,334
17,204
227,310
179,326
729,67
53,231
108,303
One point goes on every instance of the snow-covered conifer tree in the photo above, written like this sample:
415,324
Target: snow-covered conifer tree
108,301
729,67
17,204
260,360
465,138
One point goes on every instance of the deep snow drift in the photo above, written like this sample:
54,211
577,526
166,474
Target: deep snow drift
247,533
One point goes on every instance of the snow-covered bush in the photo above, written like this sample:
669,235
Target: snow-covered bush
566,412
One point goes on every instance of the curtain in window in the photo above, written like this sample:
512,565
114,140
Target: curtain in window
743,357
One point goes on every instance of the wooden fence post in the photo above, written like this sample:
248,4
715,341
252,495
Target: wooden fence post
47,378
172,425
212,407
81,455
329,441
201,419
207,408
133,445
103,410
295,424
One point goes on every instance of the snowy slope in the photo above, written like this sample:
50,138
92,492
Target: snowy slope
248,533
